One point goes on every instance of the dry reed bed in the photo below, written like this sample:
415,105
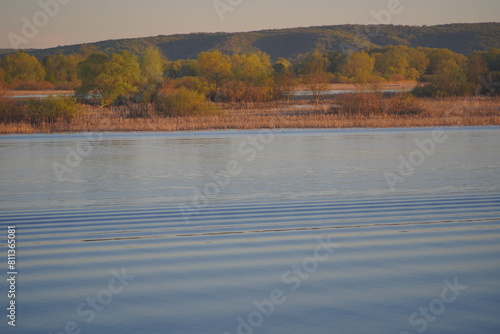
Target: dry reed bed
438,113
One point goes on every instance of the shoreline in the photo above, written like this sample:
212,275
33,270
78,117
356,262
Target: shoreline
284,115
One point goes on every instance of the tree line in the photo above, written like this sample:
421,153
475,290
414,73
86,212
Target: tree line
250,77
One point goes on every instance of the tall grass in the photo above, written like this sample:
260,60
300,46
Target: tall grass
374,104
434,113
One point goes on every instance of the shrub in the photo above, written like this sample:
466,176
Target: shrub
364,104
403,104
51,109
138,110
191,83
238,91
184,102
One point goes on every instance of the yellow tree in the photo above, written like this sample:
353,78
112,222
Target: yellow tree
477,73
215,69
358,67
284,79
120,77
418,61
21,66
254,69
152,65
437,56
62,69
393,63
110,76
450,79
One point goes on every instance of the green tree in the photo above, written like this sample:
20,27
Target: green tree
62,69
477,72
450,79
89,70
493,59
436,56
21,66
284,79
358,67
393,64
418,61
118,75
182,68
152,65
215,69
336,60
315,75
254,69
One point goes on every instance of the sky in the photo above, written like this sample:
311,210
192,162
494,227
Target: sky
49,23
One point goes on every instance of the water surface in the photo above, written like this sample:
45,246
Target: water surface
212,224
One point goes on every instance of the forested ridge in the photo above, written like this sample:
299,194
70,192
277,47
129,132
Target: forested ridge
293,43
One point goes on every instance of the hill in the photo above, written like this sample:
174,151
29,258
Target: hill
291,43
7,51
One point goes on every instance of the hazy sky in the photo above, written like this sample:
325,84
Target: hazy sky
80,21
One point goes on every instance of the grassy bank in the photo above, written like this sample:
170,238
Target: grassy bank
330,113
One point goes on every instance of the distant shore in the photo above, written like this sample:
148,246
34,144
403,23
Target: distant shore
399,85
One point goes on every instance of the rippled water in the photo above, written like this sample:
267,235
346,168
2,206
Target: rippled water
254,232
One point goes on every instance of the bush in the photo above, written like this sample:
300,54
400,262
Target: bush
138,110
184,102
190,83
51,109
403,104
238,91
364,104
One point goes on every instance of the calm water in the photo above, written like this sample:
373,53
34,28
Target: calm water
254,232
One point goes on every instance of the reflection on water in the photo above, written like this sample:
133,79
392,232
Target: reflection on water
211,251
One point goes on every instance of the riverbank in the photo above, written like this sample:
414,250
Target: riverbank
298,115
